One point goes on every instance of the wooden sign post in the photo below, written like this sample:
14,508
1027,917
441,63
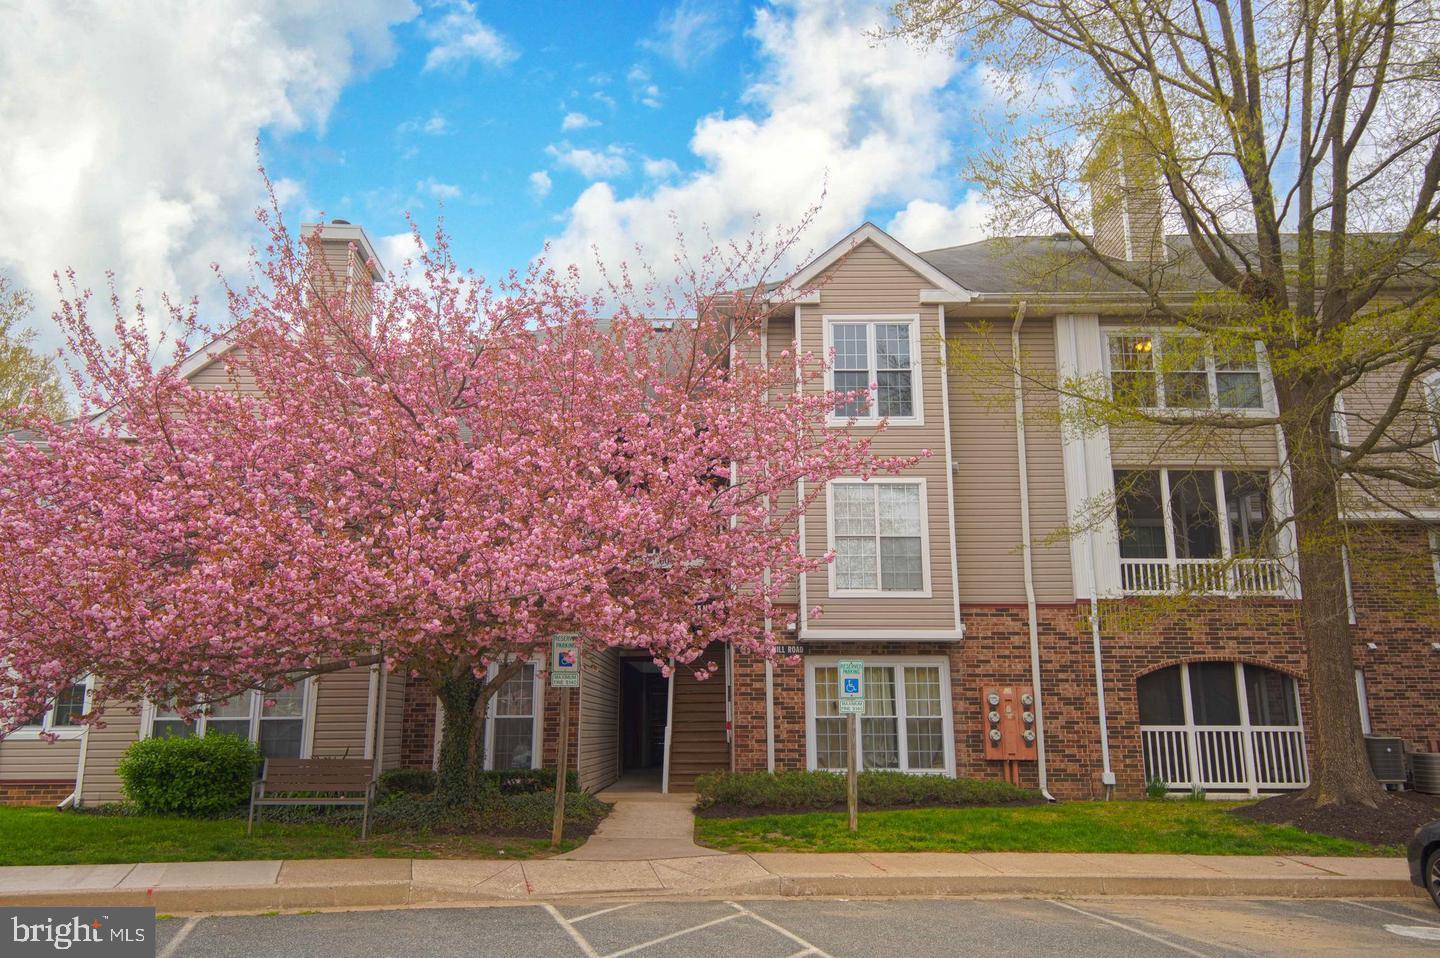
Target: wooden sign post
564,675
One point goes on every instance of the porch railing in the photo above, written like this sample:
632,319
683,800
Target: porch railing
1226,757
1208,576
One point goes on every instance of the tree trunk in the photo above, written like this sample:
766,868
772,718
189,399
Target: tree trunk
462,738
1339,767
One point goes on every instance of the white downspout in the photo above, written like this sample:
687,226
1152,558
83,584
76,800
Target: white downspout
1107,777
1030,611
669,721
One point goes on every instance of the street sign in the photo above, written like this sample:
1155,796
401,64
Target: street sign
852,687
564,661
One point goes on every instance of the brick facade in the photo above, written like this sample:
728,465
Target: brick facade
35,791
417,733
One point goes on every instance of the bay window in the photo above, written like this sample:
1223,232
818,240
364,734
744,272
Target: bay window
1202,530
877,532
879,351
1182,371
907,721
273,720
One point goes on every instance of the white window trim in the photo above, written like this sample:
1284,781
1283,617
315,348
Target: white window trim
1339,422
1431,387
1262,365
537,709
947,718
45,730
925,591
307,717
872,417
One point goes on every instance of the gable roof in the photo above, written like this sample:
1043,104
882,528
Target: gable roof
946,288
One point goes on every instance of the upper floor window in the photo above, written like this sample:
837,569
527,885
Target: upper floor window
1182,371
1204,530
881,351
877,531
273,720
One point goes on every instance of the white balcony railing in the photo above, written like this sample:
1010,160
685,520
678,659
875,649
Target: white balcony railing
1226,757
1204,576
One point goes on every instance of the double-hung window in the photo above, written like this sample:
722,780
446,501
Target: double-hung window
877,532
62,718
511,725
881,351
907,720
1183,371
273,720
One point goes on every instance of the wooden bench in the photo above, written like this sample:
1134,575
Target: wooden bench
314,781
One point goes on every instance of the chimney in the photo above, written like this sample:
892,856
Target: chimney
347,251
1125,199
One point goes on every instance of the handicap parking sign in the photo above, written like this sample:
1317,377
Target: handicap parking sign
852,686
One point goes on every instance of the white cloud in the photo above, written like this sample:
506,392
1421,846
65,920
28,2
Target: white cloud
433,125
540,184
925,224
642,88
603,98
869,124
395,248
437,190
591,164
109,163
662,169
460,37
688,34
577,121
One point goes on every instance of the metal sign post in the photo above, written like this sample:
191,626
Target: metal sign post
564,675
852,705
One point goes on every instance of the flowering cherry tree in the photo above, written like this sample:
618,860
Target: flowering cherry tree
430,471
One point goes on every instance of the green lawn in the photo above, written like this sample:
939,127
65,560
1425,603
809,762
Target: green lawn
43,836
1176,827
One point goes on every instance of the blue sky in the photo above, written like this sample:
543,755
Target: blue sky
572,124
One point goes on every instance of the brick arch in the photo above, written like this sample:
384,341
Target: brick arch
1220,657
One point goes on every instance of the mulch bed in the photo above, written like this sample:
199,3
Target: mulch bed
1392,822
757,811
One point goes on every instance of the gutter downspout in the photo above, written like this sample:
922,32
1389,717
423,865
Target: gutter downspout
1107,777
769,622
1030,611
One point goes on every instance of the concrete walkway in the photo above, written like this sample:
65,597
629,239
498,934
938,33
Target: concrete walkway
255,886
643,826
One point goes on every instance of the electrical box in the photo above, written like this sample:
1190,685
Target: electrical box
1009,722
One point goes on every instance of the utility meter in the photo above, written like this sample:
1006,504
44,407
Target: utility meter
1009,722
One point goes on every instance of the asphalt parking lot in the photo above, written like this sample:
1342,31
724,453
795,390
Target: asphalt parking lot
791,928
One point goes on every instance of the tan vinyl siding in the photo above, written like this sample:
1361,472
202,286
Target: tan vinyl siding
987,473
868,281
1365,406
780,343
38,759
102,755
599,733
341,706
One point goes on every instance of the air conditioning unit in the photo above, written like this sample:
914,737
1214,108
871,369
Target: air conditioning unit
1387,758
1426,768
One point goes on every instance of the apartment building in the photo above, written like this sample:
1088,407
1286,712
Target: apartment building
952,581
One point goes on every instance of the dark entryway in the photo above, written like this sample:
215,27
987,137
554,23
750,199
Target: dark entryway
644,695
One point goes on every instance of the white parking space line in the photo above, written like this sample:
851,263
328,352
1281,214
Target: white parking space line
180,937
1130,928
603,911
586,948
674,934
1393,914
807,948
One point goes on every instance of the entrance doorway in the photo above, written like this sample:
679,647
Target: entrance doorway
644,704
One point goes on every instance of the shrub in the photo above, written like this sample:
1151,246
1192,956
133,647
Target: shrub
526,814
525,781
810,790
1157,787
189,776
411,781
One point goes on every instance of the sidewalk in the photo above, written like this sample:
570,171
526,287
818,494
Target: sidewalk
253,886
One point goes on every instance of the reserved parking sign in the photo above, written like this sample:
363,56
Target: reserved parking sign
852,686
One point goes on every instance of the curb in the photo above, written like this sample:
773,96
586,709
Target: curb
260,898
